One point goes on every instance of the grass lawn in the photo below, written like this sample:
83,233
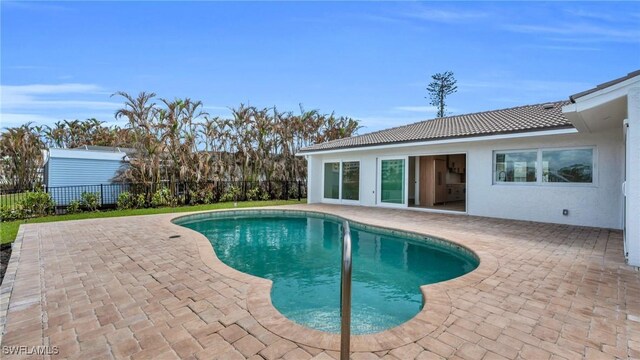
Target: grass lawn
9,229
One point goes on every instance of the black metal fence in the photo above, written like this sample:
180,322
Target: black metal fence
176,193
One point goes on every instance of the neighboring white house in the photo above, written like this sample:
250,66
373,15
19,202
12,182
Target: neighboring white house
560,162
69,172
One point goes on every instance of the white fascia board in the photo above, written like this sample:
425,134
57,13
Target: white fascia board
575,117
446,141
602,96
84,154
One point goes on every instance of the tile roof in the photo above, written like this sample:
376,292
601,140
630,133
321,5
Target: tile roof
605,85
537,117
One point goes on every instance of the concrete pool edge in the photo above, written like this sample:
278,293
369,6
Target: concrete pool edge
437,304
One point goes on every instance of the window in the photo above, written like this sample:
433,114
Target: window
515,167
392,181
342,180
332,180
545,166
351,180
567,166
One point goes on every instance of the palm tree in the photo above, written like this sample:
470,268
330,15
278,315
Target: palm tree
176,141
145,163
21,154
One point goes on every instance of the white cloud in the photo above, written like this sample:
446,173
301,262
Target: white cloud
67,88
209,107
33,6
565,47
375,123
25,67
446,16
507,91
592,15
30,103
399,116
594,32
44,96
48,103
13,119
422,109
522,86
427,110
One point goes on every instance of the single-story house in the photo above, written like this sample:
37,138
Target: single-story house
575,161
70,172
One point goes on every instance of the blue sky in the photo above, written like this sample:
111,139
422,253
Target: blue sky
370,61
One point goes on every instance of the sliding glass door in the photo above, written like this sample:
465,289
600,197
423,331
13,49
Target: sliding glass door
341,181
332,180
393,175
351,180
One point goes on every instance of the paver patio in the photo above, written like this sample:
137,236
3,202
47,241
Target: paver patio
122,288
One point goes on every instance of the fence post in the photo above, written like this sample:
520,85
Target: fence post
299,191
286,190
101,195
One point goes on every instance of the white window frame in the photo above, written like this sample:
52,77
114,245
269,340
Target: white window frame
339,200
594,166
539,182
515,183
332,161
405,182
347,201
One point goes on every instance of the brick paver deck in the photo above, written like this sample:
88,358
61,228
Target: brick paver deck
122,288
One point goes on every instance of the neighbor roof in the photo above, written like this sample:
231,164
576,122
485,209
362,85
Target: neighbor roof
519,119
115,149
78,153
604,85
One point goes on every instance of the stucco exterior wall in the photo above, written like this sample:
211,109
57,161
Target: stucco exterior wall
599,204
633,179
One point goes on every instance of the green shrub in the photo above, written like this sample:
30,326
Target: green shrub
127,200
293,191
124,200
277,192
254,194
258,193
201,196
90,201
139,201
194,197
37,203
162,197
209,197
8,213
206,194
74,207
231,194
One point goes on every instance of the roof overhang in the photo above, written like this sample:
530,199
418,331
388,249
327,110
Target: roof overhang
601,109
86,154
456,140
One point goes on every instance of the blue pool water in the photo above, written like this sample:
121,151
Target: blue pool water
301,254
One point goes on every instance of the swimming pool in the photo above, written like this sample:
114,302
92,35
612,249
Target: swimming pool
300,252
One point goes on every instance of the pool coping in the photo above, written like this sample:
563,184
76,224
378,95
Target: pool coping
437,304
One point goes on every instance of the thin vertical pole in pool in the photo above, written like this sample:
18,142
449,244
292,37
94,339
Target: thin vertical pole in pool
345,294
